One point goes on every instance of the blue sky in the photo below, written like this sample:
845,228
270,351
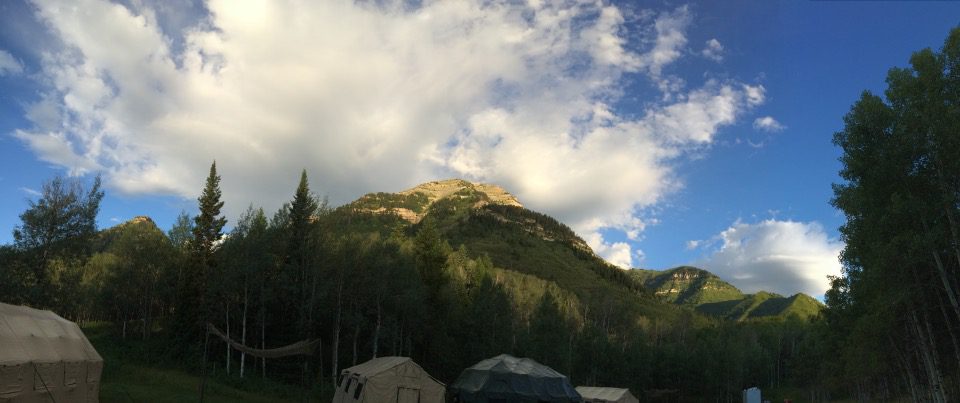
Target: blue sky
665,133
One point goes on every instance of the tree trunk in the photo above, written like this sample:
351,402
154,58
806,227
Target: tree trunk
935,355
376,330
336,327
356,335
263,330
228,336
948,289
146,311
906,371
950,332
949,210
243,331
933,374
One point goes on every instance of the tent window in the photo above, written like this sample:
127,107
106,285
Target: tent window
356,394
44,377
11,380
347,388
340,380
71,371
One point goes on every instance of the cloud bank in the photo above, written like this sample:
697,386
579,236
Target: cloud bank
378,96
778,256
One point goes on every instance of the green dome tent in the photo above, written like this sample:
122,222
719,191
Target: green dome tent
505,378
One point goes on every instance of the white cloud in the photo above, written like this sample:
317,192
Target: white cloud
784,257
8,64
617,253
768,124
693,244
670,39
713,50
372,97
31,192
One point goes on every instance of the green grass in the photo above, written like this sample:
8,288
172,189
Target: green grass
127,379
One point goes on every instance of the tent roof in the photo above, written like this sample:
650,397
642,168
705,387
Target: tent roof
34,335
508,377
376,365
505,364
591,392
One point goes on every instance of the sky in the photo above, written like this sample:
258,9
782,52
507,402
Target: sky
664,133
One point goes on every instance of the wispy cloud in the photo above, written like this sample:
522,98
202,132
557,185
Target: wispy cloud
768,124
379,97
8,64
30,192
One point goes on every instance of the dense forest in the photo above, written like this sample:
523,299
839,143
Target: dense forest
463,278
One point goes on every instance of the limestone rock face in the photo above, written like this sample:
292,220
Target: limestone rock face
437,190
412,204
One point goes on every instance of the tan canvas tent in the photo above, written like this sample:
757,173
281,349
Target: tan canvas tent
45,358
604,395
388,380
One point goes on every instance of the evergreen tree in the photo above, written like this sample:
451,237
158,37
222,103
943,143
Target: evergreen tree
302,212
194,304
208,225
431,258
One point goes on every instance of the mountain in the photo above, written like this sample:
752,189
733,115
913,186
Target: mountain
687,285
708,294
487,221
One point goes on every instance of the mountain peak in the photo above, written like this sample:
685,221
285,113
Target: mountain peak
412,204
440,189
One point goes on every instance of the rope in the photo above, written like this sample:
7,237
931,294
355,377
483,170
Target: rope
303,347
47,389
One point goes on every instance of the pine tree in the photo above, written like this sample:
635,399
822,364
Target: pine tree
193,310
208,225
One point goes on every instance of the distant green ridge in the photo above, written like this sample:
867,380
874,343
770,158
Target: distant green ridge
708,294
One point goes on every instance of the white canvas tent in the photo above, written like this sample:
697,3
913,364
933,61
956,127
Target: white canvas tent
44,358
388,380
604,395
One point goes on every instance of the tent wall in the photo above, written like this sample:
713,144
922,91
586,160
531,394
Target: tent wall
45,358
398,380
